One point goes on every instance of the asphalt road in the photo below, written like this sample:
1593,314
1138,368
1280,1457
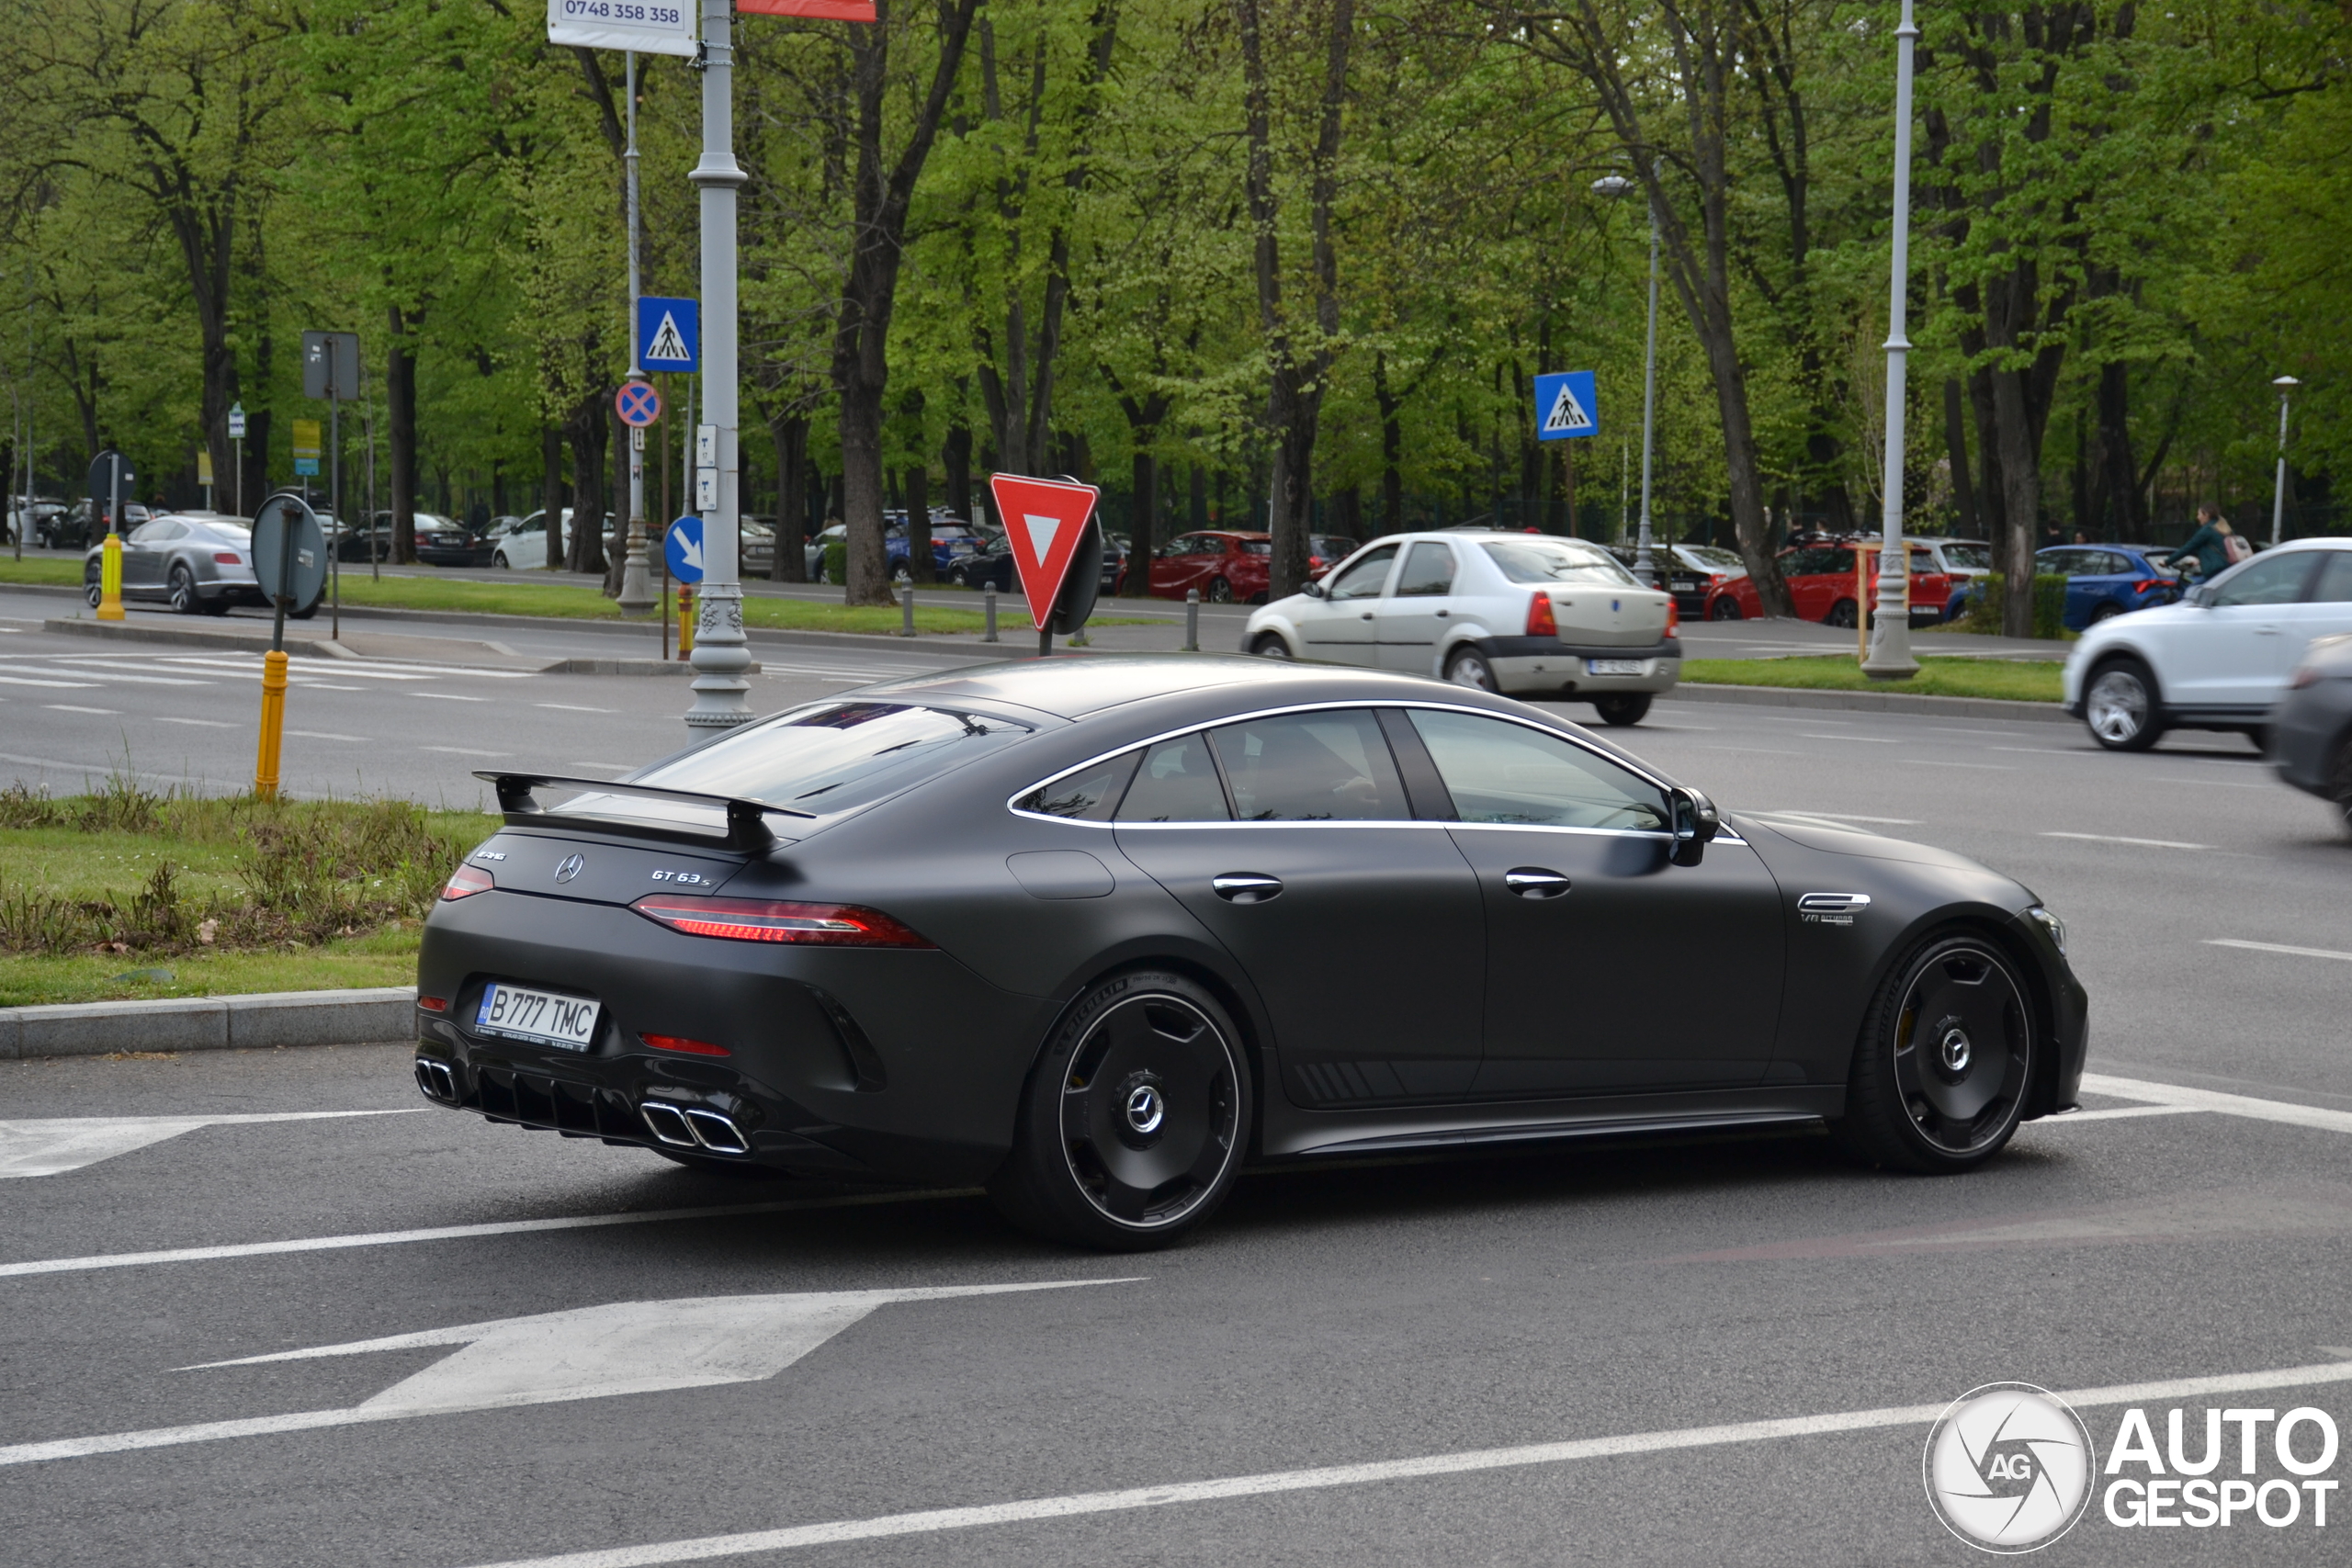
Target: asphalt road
2193,1225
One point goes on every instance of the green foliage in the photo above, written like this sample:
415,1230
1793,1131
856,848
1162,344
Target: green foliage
1985,609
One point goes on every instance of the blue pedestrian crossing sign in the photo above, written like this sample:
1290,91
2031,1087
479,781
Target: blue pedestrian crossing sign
1566,405
682,547
669,333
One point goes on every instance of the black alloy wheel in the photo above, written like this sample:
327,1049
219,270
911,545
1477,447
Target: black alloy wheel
1626,708
1841,615
182,591
1135,1119
1220,592
1270,645
2119,706
1468,667
1945,1060
1724,608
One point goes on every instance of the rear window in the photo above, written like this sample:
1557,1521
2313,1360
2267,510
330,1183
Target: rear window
1969,558
1557,561
1715,555
834,756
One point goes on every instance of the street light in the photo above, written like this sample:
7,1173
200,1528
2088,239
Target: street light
1617,185
721,657
1890,655
2286,385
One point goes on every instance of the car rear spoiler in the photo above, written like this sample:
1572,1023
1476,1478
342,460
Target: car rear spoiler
747,829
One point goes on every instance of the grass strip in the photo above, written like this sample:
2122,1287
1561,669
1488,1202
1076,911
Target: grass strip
41,979
2034,681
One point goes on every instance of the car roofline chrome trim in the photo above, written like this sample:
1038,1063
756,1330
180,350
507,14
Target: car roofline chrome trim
1013,801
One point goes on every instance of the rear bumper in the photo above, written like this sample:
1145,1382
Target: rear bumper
1546,666
887,1064
2306,727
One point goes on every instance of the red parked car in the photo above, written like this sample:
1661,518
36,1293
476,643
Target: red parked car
1821,581
1225,564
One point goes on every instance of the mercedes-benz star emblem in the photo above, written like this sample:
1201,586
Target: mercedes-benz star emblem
570,867
1144,1109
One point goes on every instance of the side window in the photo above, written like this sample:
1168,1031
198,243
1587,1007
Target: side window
1839,562
1429,572
1806,563
2266,579
1177,782
1498,772
2334,585
1087,796
1312,767
157,532
1363,580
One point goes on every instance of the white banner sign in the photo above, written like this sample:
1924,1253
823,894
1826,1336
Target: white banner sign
656,28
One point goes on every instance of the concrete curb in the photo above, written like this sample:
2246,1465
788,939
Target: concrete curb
629,666
196,637
1870,702
263,1020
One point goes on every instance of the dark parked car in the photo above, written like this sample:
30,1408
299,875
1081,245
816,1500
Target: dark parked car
197,562
440,541
1097,930
2108,580
2309,734
84,525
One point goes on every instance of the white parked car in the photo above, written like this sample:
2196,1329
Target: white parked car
2219,657
1529,614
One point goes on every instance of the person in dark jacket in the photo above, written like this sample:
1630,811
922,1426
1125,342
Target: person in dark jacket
2208,547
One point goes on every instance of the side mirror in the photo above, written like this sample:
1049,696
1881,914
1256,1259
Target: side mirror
2202,595
1695,822
1313,590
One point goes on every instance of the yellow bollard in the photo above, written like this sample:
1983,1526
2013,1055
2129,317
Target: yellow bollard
110,579
273,722
685,619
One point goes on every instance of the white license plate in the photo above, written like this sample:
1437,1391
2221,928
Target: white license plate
1615,666
565,1022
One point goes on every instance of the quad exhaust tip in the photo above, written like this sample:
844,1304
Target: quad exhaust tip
691,1126
436,1080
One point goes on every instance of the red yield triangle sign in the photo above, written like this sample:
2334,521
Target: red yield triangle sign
1044,520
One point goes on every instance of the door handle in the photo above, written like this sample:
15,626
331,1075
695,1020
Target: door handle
1443,614
1367,615
1535,882
1246,887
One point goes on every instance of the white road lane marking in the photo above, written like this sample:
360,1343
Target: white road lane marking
69,707
324,735
206,723
2113,1112
1470,1462
467,1232
2048,751
1979,767
52,1146
464,751
2278,947
2245,1105
1865,739
2216,784
62,685
2118,839
450,696
570,708
553,1358
114,677
322,686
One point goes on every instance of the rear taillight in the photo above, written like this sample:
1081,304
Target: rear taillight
1673,617
228,558
467,881
2149,586
680,1042
1541,621
763,920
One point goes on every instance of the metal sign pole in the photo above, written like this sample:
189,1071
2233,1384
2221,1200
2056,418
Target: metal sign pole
721,657
334,504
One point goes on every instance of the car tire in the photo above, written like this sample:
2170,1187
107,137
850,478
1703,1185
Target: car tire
93,589
306,612
1134,1120
1625,708
2106,612
2339,782
2119,706
1468,667
1841,615
1220,592
1945,1060
181,591
1270,645
1724,608
498,559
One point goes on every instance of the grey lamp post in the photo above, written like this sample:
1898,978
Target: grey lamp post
719,656
1644,569
637,588
2286,385
1890,655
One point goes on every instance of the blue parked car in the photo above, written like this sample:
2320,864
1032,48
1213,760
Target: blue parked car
952,540
2108,580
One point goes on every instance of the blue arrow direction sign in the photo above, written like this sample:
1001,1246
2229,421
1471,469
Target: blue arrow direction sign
669,333
682,547
1566,405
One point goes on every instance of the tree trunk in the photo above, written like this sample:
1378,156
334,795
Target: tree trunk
551,491
400,426
586,431
2118,476
880,196
1963,484
616,542
790,433
959,470
922,565
1568,484
2020,500
1196,510
1143,535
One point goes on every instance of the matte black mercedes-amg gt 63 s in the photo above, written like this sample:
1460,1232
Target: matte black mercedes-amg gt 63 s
1099,931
